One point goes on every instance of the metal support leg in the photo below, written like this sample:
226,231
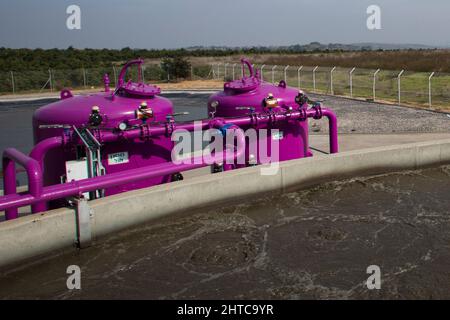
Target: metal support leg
83,215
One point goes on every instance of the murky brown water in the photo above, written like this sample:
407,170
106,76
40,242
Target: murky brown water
314,243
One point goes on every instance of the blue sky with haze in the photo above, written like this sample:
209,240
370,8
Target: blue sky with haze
183,23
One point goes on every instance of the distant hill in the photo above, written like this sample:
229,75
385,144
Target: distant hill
317,46
387,46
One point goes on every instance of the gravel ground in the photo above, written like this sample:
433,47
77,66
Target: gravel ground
366,117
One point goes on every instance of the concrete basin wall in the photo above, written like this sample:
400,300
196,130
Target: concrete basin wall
37,235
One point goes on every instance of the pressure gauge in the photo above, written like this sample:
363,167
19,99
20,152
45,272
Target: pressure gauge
122,126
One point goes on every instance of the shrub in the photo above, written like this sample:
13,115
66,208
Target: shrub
177,67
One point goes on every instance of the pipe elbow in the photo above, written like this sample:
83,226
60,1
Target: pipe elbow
41,148
329,114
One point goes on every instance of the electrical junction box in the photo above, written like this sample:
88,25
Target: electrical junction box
77,170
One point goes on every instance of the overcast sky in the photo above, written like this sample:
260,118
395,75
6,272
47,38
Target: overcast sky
184,23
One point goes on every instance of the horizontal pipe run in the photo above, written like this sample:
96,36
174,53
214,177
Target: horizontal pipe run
34,164
108,136
77,188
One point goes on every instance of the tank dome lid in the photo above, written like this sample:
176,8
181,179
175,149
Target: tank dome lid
244,84
141,89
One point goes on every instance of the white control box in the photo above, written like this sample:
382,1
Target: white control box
77,170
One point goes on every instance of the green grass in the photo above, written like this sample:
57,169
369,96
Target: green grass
414,85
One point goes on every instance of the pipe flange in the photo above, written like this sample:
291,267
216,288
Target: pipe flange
145,132
303,115
318,115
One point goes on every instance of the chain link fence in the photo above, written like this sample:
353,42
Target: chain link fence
15,82
403,87
431,90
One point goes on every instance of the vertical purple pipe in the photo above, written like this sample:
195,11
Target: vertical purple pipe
333,130
38,153
35,179
332,125
40,150
304,139
9,185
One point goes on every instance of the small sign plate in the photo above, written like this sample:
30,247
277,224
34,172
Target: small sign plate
117,158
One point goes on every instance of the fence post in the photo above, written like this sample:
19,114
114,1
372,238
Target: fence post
12,83
225,70
273,73
84,78
374,88
53,79
262,72
399,86
429,89
331,81
299,77
234,66
285,73
218,71
351,81
192,73
314,78
50,79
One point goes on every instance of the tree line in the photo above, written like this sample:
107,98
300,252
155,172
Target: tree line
71,58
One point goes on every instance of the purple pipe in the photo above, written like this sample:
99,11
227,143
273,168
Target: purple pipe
333,130
108,136
38,153
34,164
77,188
40,150
146,132
34,173
124,71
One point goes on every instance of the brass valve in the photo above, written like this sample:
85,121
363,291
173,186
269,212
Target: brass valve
270,101
144,112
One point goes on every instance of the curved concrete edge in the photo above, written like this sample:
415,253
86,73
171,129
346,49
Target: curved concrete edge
36,235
